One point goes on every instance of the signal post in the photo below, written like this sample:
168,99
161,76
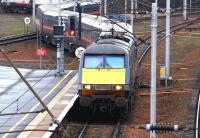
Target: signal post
59,37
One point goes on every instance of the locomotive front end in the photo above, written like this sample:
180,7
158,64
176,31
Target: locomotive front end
103,79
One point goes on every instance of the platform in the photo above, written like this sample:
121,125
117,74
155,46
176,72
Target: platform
15,97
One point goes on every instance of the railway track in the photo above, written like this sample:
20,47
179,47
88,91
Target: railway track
115,132
17,38
161,36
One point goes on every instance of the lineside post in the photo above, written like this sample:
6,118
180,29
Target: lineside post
33,15
136,8
125,8
132,15
60,45
79,18
167,43
153,67
100,7
185,9
105,7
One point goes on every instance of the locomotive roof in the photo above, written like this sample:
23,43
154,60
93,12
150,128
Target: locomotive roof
108,46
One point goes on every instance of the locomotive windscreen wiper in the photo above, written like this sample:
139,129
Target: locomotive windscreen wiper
100,66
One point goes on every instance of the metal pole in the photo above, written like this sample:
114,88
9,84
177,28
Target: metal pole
41,58
190,6
100,7
105,7
125,11
132,16
59,12
167,42
33,15
37,39
60,47
156,1
74,5
79,17
185,9
136,8
153,67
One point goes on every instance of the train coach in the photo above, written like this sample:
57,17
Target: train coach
92,26
16,5
107,74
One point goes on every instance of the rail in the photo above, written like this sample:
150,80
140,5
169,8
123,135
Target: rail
83,130
174,29
17,38
116,131
197,117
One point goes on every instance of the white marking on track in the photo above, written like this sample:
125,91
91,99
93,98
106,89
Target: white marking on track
69,94
64,102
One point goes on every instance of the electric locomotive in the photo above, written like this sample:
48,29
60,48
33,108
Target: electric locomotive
107,74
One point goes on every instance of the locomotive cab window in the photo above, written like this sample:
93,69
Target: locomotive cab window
114,61
104,61
93,61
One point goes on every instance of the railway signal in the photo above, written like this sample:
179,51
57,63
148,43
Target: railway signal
41,52
58,33
72,26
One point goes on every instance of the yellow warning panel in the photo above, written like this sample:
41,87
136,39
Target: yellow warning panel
103,76
162,72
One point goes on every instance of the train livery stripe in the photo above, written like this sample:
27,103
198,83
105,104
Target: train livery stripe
103,76
85,39
47,27
23,3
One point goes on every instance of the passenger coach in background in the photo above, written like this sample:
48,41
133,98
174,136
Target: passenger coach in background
91,26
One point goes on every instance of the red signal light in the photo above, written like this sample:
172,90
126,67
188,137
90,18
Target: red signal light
71,32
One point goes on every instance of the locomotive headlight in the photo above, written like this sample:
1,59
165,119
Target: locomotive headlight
118,87
88,87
